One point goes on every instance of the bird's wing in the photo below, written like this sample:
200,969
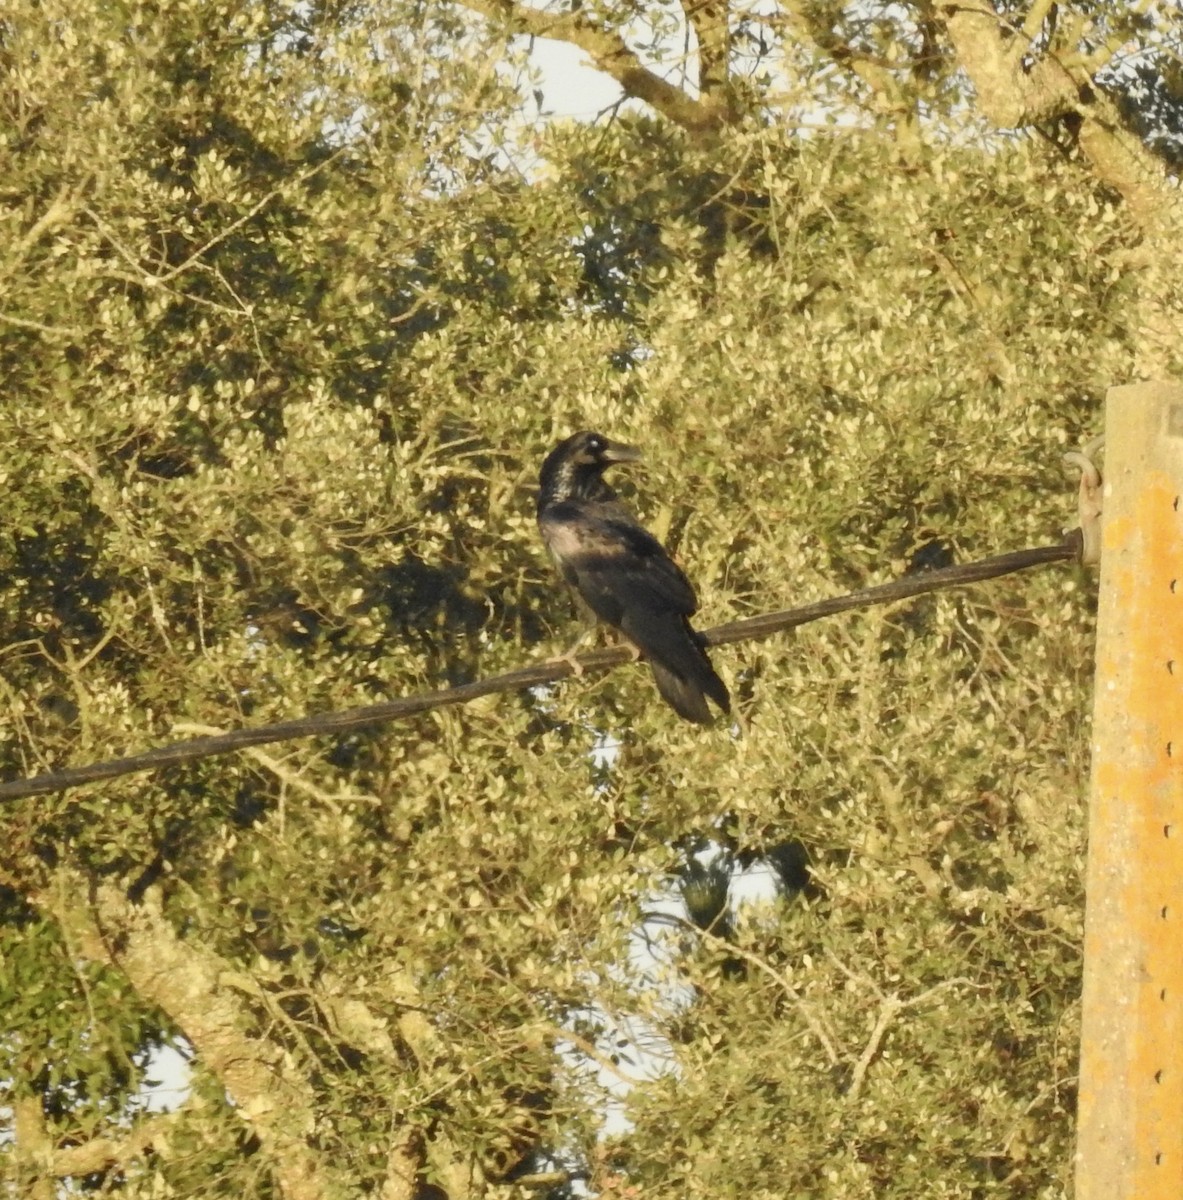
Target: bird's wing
624,575
615,565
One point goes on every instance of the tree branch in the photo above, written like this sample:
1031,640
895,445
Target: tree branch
1036,15
32,1148
712,30
1009,95
812,1021
104,1153
1014,94
66,331
889,1008
189,983
612,55
888,94
534,676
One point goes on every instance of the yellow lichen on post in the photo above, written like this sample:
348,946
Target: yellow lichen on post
1130,1129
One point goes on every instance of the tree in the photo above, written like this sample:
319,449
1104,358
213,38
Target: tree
286,332
1103,74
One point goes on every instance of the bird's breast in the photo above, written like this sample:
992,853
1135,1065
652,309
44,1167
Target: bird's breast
563,538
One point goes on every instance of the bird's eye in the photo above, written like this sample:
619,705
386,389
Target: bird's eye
595,445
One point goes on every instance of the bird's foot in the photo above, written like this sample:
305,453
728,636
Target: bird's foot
569,657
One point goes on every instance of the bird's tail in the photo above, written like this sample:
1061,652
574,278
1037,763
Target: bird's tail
687,697
687,678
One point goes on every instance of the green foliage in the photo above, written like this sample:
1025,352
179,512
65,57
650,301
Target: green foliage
283,347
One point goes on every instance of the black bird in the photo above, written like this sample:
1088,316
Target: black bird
622,574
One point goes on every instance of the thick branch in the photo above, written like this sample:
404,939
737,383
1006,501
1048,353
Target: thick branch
890,1007
534,676
353,1022
105,1153
1009,94
612,55
1012,93
712,29
190,984
32,1148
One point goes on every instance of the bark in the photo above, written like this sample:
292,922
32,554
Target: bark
611,54
209,1001
203,996
1014,90
1012,94
32,1149
709,19
45,1162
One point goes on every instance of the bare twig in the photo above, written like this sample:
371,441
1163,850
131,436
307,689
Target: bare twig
811,1019
151,279
69,331
890,1007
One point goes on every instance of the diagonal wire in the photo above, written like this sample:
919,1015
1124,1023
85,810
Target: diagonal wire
193,749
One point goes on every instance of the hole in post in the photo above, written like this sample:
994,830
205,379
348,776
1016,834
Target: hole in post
1162,994
1170,749
1170,666
1158,1076
1164,912
1174,586
1158,1159
1167,831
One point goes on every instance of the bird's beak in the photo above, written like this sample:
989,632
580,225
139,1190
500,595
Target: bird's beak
618,452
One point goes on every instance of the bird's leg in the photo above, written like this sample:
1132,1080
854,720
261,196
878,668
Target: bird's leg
569,655
590,632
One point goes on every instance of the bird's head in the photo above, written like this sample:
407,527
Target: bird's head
574,468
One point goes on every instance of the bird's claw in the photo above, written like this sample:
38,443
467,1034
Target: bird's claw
571,660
